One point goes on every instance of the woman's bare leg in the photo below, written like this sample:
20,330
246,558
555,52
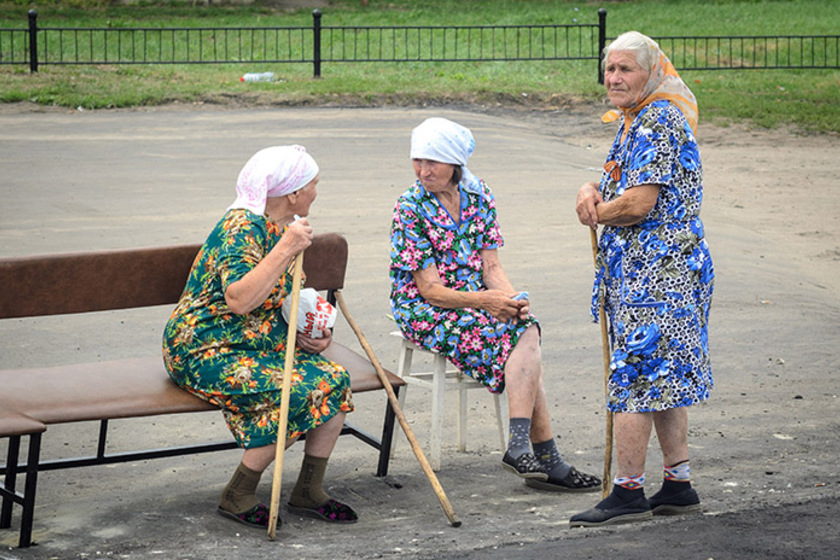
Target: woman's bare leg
672,431
632,435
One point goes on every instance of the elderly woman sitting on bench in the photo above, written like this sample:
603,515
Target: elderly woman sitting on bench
226,340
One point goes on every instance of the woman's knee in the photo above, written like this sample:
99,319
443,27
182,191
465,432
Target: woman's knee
528,347
529,340
331,425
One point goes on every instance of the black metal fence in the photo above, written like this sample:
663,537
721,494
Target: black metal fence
314,45
753,52
319,44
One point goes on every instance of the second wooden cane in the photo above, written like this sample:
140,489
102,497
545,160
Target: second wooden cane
283,420
605,346
395,404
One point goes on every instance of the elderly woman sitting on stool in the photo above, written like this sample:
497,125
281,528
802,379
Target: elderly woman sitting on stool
451,295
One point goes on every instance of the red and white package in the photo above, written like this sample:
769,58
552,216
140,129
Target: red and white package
315,314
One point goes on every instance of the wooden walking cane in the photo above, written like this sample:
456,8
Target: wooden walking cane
392,397
605,346
283,420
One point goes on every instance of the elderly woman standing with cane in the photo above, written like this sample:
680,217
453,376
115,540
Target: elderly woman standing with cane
655,273
451,295
226,340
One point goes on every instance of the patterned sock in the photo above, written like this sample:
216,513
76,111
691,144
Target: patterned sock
675,480
240,493
630,482
519,442
681,472
549,457
309,489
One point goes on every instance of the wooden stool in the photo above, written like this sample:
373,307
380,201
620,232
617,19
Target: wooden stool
442,375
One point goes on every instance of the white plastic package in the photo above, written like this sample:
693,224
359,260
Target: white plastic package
315,314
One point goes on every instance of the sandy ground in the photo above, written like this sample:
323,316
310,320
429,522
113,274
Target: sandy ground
765,447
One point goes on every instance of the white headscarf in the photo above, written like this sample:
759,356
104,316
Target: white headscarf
442,140
273,172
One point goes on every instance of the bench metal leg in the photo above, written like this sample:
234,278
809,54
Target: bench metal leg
9,482
28,515
103,439
27,499
403,372
387,437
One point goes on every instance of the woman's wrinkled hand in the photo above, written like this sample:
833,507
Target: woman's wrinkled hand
299,235
525,309
313,345
502,306
588,198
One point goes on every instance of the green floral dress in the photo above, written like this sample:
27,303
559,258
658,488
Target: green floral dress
237,361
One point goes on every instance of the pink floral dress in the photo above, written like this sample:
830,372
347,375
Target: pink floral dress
424,234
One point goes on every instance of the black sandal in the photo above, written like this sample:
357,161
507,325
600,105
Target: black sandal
256,517
575,481
331,511
526,466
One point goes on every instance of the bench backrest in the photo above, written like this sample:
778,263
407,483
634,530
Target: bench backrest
122,279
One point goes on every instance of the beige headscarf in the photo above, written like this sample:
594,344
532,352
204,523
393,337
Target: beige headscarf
273,172
664,83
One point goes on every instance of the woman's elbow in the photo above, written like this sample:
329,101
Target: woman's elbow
631,213
432,296
427,295
238,309
637,216
236,306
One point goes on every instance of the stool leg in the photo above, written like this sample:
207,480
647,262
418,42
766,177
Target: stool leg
462,412
403,371
438,387
502,420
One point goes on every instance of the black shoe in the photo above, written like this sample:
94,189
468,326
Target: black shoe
677,503
526,466
575,481
606,514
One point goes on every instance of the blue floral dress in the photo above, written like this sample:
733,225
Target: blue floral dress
657,275
237,361
424,234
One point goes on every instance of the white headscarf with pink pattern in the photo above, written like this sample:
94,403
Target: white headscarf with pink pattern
273,172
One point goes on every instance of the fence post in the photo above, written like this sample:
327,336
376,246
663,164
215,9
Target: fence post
316,42
602,41
33,41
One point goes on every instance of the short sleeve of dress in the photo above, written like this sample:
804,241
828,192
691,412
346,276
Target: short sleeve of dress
410,248
240,247
491,237
652,155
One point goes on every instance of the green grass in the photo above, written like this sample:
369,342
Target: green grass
805,99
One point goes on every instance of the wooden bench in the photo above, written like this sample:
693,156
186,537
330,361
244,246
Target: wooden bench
34,398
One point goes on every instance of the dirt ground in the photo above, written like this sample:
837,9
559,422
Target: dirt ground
764,448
